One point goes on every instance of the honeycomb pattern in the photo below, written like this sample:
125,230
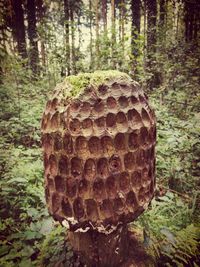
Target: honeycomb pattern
99,154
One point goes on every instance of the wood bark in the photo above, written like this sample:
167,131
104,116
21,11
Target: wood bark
19,28
32,34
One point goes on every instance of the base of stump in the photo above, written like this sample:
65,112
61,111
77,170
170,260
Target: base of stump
121,248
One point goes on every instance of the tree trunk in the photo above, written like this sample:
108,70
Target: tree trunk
119,248
151,24
73,62
32,34
91,37
113,33
135,30
67,43
104,15
19,28
97,31
123,23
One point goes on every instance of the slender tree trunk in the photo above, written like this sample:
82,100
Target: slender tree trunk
73,63
32,34
67,43
19,28
113,35
135,30
151,21
123,12
91,37
97,31
104,15
41,15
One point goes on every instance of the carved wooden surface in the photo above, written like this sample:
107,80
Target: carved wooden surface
99,155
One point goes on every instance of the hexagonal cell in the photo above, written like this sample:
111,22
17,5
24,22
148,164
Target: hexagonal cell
142,99
144,136
71,187
75,107
87,127
134,100
99,189
123,101
83,186
129,161
98,107
115,164
74,126
131,200
48,106
85,110
63,165
55,202
111,186
95,145
124,181
91,209
126,89
134,118
116,89
145,118
118,205
66,207
136,179
103,90
53,166
111,103
145,176
47,143
50,183
108,146
76,167
106,208
59,183
44,122
122,124
81,145
55,120
139,158
120,142
68,144
141,196
100,125
133,140
110,120
90,169
78,208
102,168
57,141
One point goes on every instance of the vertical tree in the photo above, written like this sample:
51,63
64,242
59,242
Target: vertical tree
113,33
19,28
135,30
91,35
67,42
97,31
32,34
151,25
104,15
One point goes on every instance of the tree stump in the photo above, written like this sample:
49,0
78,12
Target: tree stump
98,136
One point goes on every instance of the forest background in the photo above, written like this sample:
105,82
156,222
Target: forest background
157,43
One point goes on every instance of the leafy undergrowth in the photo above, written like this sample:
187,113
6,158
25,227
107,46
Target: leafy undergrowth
29,237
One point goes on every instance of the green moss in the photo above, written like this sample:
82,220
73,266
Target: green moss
79,82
